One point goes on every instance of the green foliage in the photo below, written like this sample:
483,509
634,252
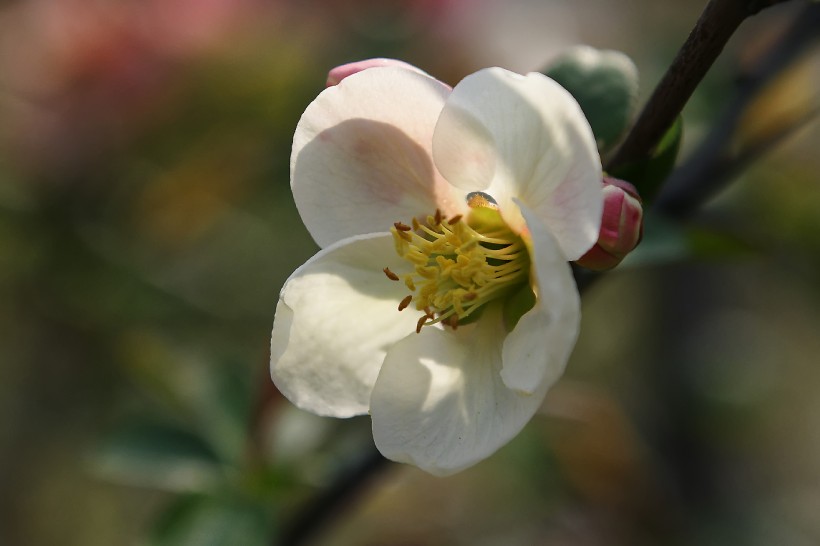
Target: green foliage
152,453
605,84
197,446
648,175
197,520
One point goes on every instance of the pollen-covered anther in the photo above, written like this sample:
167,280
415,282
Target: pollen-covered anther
403,234
423,322
390,275
405,302
459,265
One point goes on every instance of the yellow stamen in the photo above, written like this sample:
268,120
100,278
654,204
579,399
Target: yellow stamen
459,264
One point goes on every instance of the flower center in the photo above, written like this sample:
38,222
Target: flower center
459,264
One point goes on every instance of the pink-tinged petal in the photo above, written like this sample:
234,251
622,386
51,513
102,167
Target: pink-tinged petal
621,226
336,317
439,402
362,155
535,353
336,75
526,138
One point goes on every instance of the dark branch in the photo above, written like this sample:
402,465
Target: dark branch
715,26
712,165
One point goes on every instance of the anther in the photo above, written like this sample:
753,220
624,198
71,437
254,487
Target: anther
420,323
451,321
390,275
402,227
405,302
454,220
438,217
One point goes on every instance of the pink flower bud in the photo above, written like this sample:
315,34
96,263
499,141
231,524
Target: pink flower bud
621,226
341,72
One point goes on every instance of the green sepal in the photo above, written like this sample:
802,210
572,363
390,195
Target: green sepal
517,305
648,175
605,84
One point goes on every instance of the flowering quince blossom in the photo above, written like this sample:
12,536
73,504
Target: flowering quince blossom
441,301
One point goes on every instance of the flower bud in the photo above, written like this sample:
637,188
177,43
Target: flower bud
621,226
339,73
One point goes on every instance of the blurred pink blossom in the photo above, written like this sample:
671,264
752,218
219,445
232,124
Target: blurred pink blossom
76,75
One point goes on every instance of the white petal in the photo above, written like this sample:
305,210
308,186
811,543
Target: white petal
524,137
536,351
336,317
439,402
362,157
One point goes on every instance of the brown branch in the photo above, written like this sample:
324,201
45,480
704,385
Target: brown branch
712,164
712,31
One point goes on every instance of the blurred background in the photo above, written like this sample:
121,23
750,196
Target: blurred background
146,227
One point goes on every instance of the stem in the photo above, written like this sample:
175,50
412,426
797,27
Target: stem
712,31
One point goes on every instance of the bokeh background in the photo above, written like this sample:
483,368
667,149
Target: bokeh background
146,226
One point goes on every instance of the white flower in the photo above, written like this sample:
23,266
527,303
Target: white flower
382,170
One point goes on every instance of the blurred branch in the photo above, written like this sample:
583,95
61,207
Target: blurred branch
712,164
318,513
712,31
